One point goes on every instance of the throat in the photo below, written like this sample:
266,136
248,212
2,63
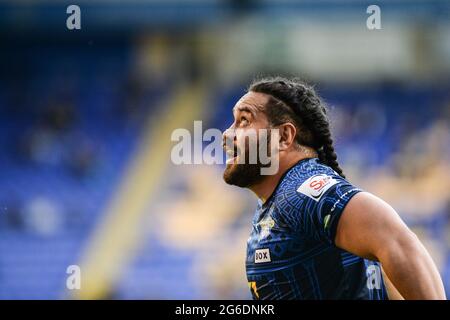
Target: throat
264,189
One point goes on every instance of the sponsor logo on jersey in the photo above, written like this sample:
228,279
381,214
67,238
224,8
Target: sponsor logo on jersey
262,255
316,186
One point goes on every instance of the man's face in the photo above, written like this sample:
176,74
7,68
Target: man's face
248,120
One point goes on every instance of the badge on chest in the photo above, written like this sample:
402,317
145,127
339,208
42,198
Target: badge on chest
262,255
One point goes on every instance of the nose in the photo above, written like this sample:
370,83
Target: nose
228,137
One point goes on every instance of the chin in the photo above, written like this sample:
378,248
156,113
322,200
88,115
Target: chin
230,174
242,175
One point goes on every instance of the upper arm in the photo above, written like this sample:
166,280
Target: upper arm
392,291
323,199
368,226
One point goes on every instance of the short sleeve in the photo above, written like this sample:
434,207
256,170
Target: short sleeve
324,199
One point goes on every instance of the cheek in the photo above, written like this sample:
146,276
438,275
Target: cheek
240,138
248,138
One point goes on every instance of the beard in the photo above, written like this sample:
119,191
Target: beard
242,175
245,175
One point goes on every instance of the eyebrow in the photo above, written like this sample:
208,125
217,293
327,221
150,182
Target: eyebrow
244,109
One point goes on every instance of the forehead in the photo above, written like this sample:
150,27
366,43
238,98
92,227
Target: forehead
251,102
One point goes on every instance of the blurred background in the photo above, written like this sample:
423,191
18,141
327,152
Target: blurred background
86,118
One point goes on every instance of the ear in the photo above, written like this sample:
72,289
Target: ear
287,135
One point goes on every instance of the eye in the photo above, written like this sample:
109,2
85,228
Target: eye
243,121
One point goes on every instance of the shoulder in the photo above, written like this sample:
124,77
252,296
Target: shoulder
305,182
312,197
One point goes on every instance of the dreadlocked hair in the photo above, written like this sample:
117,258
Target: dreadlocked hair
292,100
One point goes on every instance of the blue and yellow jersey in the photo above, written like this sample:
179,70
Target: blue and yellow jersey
291,252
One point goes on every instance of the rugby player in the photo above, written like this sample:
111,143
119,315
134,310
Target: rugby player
314,234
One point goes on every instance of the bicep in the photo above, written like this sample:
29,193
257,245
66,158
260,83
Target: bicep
368,225
370,228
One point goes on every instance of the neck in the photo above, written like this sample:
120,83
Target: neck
266,187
